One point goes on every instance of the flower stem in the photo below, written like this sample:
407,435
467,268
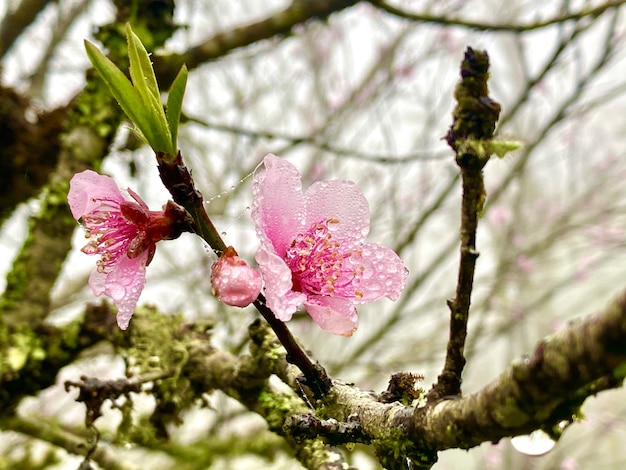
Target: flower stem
178,180
316,377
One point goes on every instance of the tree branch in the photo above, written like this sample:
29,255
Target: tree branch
475,117
493,27
280,23
540,390
16,21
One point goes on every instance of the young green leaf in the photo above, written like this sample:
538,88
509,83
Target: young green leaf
141,72
123,91
175,104
144,80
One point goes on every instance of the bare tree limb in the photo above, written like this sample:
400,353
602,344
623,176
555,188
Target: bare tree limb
493,27
277,24
541,391
475,117
16,21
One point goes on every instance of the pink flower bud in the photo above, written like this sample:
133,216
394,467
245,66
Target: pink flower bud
234,282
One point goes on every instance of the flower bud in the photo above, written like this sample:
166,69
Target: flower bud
234,282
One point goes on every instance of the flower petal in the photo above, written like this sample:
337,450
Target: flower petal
97,281
87,189
384,274
341,200
280,297
337,316
278,209
124,285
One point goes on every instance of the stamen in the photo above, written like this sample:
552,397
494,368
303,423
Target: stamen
319,265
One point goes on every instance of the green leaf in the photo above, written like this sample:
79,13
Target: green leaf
141,72
175,104
502,147
128,98
144,80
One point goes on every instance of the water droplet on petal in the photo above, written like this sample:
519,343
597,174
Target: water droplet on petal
536,443
332,224
117,292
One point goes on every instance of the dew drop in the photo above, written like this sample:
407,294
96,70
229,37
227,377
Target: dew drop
536,443
117,292
332,224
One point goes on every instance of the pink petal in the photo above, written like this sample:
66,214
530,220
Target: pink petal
384,275
341,200
87,186
124,285
137,198
337,316
280,297
278,209
97,281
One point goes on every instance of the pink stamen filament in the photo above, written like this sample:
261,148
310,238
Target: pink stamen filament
109,232
318,264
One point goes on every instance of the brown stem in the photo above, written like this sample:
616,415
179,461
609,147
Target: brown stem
178,180
475,116
316,377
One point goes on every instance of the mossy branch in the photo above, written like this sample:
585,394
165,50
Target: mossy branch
543,390
474,120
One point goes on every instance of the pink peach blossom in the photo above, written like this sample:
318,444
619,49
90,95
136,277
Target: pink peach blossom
312,250
123,232
234,282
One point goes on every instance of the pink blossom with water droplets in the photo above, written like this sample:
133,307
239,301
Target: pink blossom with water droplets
312,249
234,282
123,233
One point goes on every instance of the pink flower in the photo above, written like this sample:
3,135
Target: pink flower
234,282
312,251
124,233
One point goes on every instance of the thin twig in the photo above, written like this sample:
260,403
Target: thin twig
494,27
315,375
280,23
474,121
